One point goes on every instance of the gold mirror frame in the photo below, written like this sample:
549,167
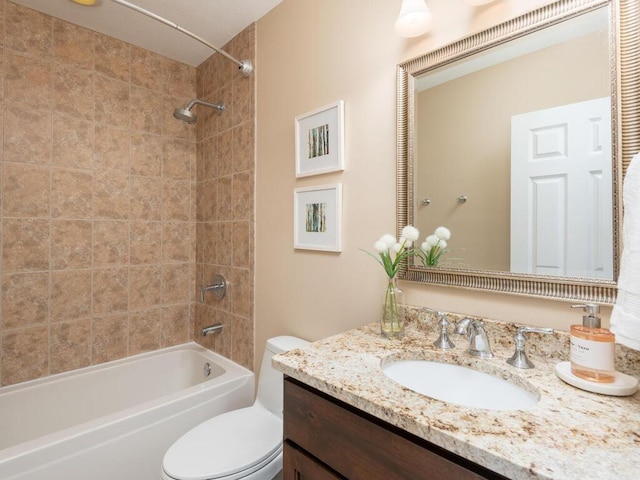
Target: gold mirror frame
625,84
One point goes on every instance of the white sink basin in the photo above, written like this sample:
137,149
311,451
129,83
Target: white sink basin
460,385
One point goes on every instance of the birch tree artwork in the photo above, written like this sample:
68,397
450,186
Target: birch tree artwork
316,217
318,141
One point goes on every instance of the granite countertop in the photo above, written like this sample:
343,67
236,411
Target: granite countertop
569,434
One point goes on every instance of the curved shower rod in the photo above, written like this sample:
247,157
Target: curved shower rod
245,66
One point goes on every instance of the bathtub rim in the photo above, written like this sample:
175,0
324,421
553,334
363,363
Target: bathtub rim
233,374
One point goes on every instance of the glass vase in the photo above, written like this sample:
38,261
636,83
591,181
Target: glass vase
392,322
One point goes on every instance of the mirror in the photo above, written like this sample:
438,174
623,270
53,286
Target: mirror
538,115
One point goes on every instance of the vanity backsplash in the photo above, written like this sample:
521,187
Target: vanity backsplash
554,346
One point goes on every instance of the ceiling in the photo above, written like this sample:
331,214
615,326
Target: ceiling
216,21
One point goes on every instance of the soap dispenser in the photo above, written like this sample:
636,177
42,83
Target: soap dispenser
592,348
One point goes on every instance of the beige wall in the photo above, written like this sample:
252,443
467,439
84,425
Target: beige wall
310,55
97,178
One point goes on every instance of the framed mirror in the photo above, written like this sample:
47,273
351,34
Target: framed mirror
516,139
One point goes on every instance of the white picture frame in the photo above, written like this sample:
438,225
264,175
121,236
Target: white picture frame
317,218
320,140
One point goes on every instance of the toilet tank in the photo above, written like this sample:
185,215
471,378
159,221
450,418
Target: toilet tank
270,383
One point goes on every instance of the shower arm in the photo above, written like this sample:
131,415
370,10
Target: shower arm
218,107
245,66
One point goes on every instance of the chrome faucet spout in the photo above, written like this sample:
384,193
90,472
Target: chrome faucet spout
211,329
479,345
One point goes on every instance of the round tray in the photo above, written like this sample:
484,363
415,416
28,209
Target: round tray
622,386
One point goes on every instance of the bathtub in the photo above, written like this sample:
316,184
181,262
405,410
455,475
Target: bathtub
115,420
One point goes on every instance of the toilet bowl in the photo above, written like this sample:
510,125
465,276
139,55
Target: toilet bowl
242,444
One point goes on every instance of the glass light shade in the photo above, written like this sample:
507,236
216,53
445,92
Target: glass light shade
414,19
477,3
88,3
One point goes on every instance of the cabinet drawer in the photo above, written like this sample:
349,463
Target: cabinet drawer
298,465
359,446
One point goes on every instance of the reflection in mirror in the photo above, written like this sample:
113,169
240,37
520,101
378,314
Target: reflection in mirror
516,139
524,132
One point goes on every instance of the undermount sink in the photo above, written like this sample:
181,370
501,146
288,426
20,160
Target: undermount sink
460,385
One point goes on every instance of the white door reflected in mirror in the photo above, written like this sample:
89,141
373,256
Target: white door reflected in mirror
561,197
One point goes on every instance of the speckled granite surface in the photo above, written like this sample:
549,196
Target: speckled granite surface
569,434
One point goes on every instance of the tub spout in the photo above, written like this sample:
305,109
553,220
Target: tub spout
211,329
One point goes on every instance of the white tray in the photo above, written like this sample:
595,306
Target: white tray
622,386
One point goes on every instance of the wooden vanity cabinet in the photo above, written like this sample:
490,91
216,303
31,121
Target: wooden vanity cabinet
326,439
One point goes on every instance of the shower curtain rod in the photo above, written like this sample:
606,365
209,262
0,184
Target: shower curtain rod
245,66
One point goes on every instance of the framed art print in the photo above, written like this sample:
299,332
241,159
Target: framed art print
317,218
320,140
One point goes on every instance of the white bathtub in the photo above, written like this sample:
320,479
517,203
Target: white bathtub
115,420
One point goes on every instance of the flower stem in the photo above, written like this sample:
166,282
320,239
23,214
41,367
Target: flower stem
392,324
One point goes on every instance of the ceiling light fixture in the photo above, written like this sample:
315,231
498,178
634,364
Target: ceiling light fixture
88,3
414,19
477,3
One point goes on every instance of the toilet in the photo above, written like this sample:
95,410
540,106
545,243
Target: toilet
241,444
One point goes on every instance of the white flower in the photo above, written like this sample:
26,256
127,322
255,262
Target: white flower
432,241
392,253
434,247
405,242
443,233
381,247
388,240
411,233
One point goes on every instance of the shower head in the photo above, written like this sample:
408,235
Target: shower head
186,115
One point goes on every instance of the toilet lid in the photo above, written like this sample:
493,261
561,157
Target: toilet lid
238,441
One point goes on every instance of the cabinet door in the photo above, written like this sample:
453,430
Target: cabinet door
360,447
300,466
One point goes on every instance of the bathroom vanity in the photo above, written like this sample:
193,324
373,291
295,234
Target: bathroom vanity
324,436
344,418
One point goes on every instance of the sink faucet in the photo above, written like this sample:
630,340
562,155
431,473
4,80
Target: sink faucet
478,341
443,340
519,358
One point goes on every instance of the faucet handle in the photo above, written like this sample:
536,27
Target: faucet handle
443,341
219,288
519,358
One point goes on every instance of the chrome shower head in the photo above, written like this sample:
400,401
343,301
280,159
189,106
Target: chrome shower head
186,115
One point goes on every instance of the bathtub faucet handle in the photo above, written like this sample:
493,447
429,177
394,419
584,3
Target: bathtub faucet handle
218,287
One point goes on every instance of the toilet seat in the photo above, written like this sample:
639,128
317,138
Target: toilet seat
227,447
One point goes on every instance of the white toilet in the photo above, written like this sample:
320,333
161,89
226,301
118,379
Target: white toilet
242,444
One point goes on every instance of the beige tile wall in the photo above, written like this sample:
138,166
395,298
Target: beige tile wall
98,198
225,199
